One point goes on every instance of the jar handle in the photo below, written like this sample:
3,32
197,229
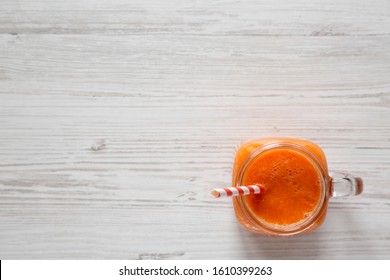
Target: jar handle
344,184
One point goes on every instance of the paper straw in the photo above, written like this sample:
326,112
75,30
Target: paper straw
236,191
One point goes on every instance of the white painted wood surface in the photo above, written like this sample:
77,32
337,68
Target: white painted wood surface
117,118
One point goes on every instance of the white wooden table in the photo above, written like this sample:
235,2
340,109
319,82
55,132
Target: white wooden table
117,118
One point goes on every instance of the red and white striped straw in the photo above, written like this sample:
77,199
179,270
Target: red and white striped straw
236,191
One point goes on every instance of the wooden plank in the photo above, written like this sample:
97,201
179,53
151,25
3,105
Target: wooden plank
109,145
226,17
196,66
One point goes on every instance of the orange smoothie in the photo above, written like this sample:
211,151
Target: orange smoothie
294,181
292,185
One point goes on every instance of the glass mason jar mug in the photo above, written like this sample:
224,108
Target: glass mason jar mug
297,186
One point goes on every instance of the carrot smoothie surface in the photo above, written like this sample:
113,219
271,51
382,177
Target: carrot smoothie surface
292,187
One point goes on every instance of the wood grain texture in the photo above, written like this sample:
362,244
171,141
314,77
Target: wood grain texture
213,17
117,118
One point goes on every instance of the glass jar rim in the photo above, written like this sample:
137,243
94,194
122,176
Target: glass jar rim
314,215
